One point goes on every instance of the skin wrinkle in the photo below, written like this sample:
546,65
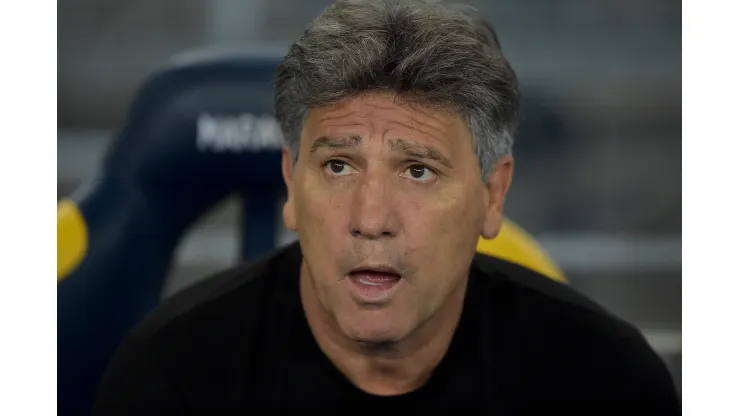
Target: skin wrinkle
424,128
337,116
374,211
433,123
420,151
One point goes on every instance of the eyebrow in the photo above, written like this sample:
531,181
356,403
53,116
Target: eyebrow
420,151
335,142
409,148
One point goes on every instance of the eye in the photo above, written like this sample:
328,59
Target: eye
337,168
419,173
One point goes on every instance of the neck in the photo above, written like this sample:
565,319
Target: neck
386,368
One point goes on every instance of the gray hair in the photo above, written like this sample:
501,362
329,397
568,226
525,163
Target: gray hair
426,52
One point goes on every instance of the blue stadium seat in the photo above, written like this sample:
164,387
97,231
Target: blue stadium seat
200,129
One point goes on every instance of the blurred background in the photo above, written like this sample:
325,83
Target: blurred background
598,157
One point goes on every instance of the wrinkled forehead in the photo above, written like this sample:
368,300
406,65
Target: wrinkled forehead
384,116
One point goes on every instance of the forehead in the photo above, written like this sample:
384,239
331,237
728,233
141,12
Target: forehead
387,116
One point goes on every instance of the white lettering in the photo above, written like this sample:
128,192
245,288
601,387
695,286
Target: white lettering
244,132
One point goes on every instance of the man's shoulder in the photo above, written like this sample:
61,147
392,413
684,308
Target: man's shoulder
544,297
572,340
234,293
557,321
202,341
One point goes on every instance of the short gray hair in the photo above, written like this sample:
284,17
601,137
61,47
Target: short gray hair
426,52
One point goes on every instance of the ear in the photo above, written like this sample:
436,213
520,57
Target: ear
497,186
289,217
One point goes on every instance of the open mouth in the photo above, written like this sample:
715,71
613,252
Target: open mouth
375,276
373,284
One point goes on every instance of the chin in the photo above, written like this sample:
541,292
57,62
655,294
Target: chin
372,327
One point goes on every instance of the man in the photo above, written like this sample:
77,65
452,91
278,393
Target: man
398,118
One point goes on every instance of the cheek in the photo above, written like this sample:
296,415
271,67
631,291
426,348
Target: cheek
320,211
441,230
449,213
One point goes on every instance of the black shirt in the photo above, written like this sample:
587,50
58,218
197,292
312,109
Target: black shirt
240,341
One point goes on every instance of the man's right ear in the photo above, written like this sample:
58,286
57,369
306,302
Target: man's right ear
289,208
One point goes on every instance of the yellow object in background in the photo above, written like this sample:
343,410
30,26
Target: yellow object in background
517,246
512,244
71,238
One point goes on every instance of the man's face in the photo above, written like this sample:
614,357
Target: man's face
388,203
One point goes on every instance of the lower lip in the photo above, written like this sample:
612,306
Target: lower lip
373,287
